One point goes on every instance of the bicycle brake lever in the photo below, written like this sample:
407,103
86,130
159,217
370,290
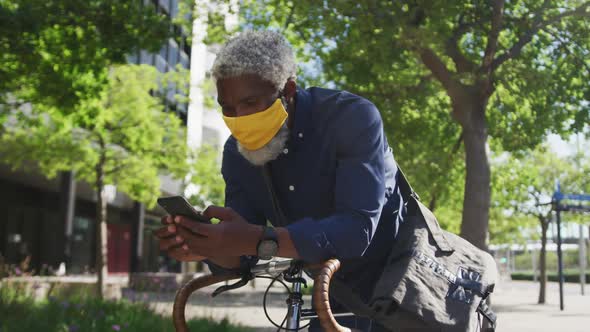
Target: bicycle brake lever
226,288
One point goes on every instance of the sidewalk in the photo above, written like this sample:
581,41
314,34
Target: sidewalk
514,302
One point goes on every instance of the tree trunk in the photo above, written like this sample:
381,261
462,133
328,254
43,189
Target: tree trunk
543,262
476,201
432,204
101,231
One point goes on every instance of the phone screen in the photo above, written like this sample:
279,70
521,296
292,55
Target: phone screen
179,206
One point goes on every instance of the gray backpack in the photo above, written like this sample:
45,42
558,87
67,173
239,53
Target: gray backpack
433,280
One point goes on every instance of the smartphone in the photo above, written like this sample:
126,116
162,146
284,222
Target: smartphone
179,206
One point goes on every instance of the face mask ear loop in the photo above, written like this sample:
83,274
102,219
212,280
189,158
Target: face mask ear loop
283,99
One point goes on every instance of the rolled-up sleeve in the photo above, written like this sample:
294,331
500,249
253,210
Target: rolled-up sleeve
359,192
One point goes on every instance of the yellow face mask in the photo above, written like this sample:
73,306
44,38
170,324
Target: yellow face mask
256,130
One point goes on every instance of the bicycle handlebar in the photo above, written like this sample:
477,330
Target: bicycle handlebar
322,276
321,296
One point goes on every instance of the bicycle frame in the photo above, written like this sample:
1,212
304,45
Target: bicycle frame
296,313
295,302
292,272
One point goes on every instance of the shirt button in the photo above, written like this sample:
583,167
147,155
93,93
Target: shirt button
292,188
285,151
300,135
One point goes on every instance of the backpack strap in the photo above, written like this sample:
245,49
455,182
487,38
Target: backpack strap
414,201
487,312
279,217
404,186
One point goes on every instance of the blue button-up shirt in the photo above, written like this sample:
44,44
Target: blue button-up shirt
335,182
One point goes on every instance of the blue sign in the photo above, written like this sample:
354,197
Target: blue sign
558,195
576,197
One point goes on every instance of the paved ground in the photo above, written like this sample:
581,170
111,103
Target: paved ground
517,308
515,303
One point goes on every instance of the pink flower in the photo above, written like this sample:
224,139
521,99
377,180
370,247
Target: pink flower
116,327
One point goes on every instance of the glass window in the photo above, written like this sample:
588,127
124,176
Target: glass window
184,60
161,64
173,8
172,53
82,241
165,4
146,58
164,51
133,58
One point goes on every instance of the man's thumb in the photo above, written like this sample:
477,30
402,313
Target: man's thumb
219,212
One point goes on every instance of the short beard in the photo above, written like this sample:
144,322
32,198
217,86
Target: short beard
270,151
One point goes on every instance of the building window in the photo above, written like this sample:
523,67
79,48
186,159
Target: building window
146,58
172,53
133,58
164,52
161,64
164,4
184,60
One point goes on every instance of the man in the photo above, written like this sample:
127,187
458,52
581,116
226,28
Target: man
322,152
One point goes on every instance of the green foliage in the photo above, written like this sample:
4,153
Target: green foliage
178,78
571,260
187,11
432,67
60,59
122,134
370,47
209,93
522,189
22,313
58,53
581,164
206,177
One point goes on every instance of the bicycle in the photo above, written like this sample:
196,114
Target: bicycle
290,271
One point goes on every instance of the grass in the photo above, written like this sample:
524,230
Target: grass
20,313
308,290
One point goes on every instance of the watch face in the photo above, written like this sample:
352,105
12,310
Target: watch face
267,249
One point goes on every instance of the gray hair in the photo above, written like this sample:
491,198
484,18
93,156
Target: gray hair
265,54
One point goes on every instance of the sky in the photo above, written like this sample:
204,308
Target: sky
565,148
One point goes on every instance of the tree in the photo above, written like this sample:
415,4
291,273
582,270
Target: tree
121,138
58,63
447,72
208,187
59,52
524,188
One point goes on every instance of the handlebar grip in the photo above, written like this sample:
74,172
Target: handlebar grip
321,296
186,290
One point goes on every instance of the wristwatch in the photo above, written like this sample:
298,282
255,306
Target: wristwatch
268,246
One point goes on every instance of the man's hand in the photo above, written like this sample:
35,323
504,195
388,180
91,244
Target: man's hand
172,243
232,237
187,240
